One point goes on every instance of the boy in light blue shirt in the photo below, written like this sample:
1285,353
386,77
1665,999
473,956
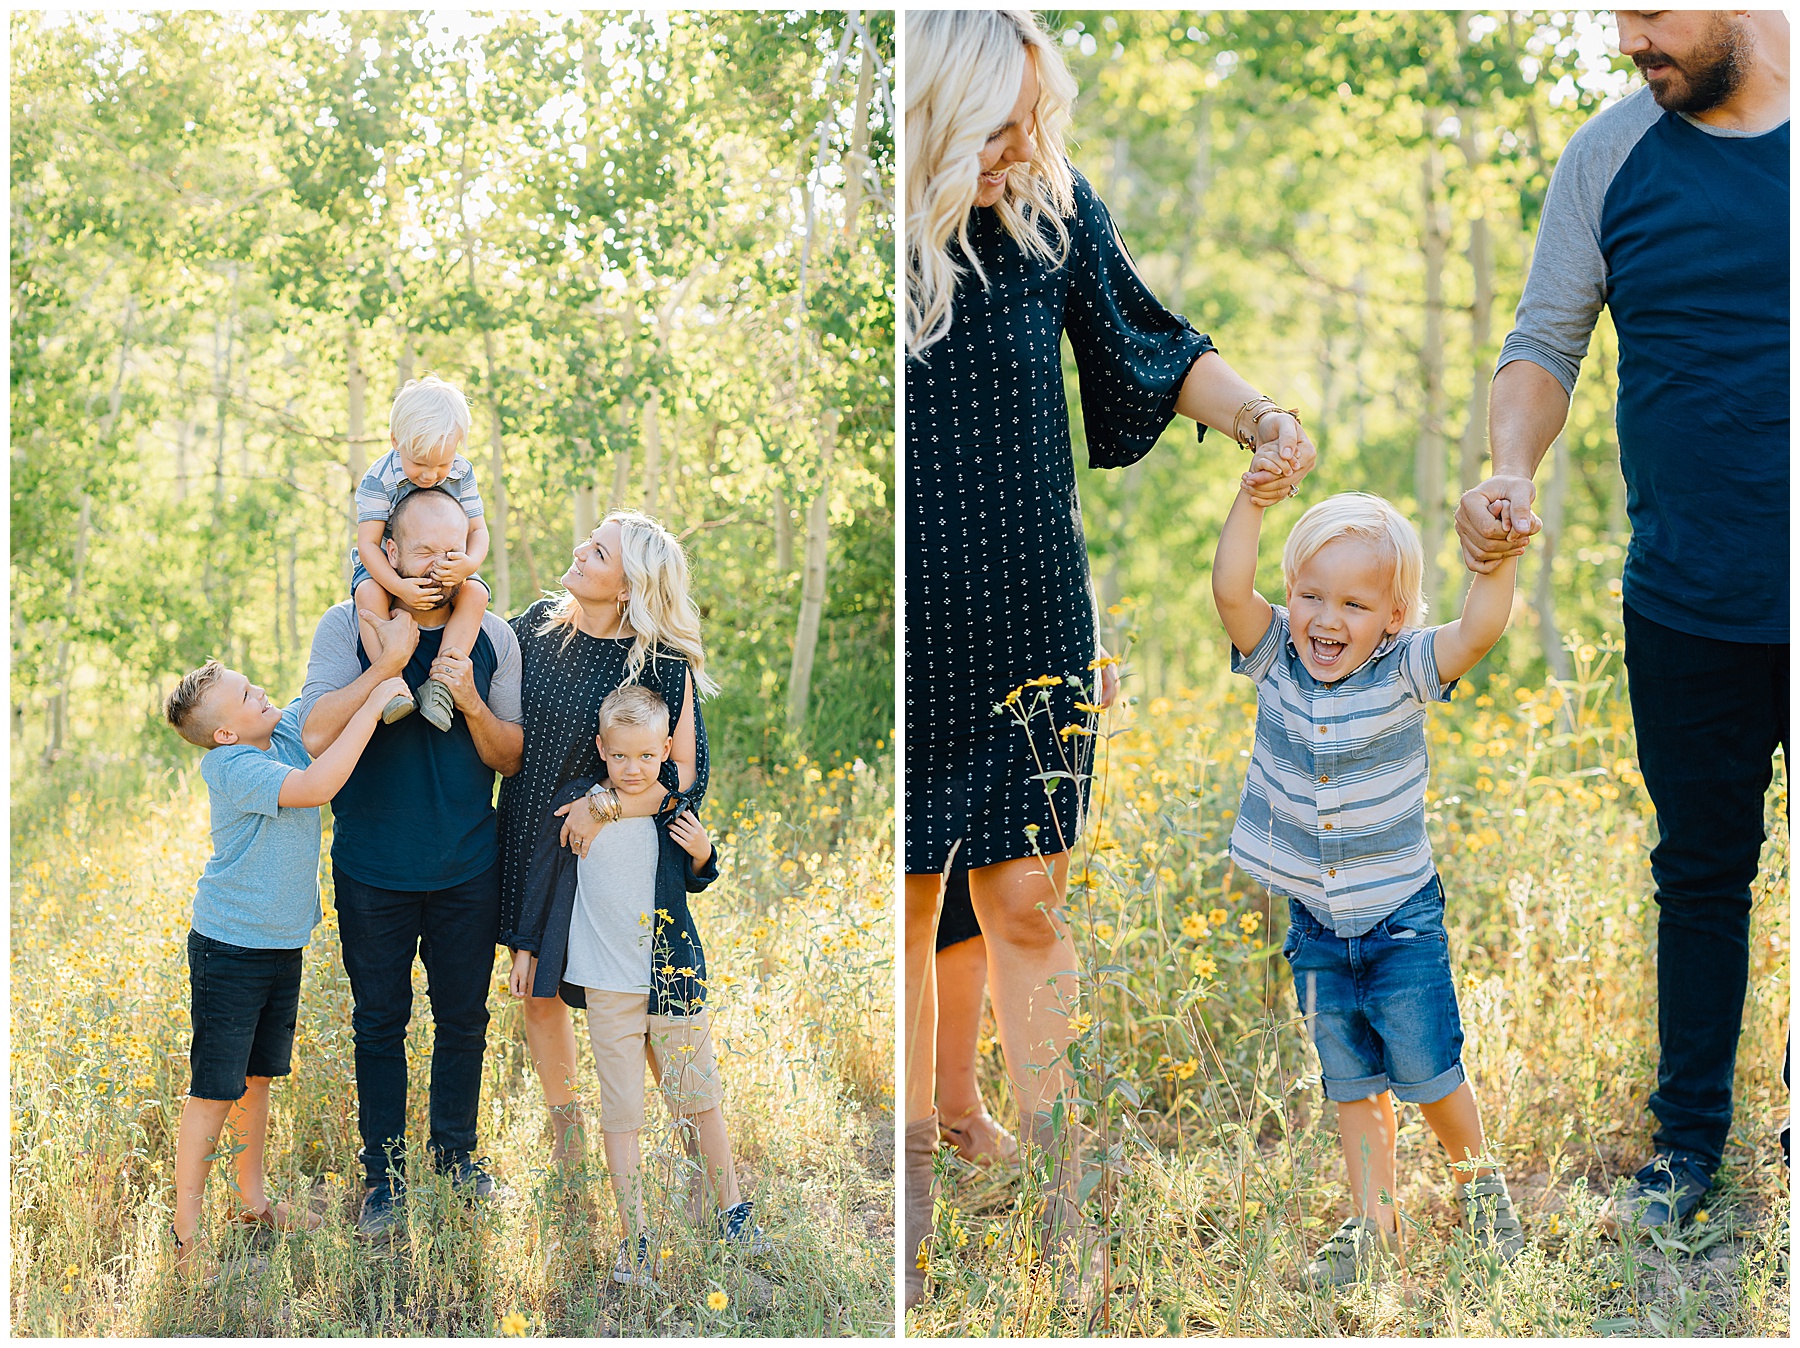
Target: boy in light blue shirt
255,907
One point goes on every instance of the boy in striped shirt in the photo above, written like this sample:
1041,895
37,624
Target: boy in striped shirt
1333,818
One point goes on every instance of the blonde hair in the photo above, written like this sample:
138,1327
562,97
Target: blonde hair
184,706
659,610
426,413
635,705
964,69
1357,514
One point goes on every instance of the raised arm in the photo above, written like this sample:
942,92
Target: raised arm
335,684
318,783
1213,393
1458,646
1245,613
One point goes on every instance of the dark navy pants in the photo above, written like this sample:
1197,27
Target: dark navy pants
453,931
1709,715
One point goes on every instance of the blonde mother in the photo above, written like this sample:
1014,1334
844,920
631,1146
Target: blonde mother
1008,250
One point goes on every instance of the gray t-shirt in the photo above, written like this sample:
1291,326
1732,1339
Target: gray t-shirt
260,889
615,902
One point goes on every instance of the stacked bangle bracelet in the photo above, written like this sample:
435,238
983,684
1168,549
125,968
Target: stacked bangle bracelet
1243,425
603,804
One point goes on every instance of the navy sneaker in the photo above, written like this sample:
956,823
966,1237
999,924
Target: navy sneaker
738,1231
1664,1194
471,1180
635,1272
383,1215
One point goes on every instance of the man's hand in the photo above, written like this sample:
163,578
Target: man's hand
420,592
456,672
524,973
399,634
1494,521
580,828
690,833
385,692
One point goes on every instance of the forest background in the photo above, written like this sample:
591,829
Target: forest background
655,251
1347,201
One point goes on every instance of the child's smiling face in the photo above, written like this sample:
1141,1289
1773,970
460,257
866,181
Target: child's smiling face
428,465
634,755
242,711
1340,606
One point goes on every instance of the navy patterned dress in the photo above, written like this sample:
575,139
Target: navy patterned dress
997,589
562,688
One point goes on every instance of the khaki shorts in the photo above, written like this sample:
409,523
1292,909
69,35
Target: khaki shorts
679,1049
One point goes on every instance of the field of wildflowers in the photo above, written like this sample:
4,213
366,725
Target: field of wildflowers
799,940
1222,1173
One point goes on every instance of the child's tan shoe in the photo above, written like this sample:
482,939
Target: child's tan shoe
435,703
399,706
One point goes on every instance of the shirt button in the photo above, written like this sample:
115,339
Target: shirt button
1328,828
1325,778
1332,872
1322,730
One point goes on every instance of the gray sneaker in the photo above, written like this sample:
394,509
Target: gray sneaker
383,1215
1353,1251
1489,1218
435,703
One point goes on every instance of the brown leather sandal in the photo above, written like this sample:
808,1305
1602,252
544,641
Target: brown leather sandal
279,1217
979,1139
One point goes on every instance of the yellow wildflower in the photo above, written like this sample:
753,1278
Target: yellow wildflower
1089,707
1204,966
1216,917
1044,681
513,1324
1103,930
1193,926
1184,1070
1080,1024
1249,922
717,1301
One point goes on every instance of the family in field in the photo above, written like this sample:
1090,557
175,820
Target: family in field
587,706
1670,208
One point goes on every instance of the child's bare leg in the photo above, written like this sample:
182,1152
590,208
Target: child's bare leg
1456,1119
249,1125
625,1166
465,617
370,596
1366,1130
715,1151
202,1124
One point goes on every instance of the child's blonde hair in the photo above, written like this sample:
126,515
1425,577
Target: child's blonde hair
1357,514
659,609
427,413
963,69
635,705
187,709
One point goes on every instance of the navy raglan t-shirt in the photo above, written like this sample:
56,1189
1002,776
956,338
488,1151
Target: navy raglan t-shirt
1682,230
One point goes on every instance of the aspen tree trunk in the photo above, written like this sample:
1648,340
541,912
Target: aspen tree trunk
1428,466
1481,267
356,387
497,483
784,534
59,706
812,590
621,483
652,423
856,162
1556,659
293,593
587,512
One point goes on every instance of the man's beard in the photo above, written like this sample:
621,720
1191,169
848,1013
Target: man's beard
1708,75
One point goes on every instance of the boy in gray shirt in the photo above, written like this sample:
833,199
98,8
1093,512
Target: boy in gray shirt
255,907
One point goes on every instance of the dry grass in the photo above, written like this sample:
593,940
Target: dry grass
1224,1172
799,941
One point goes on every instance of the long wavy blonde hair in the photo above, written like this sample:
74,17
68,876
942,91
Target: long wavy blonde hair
659,608
963,73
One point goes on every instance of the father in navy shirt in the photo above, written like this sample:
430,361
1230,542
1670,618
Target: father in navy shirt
1671,209
415,854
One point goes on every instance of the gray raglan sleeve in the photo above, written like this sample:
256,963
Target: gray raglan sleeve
506,687
1567,284
333,663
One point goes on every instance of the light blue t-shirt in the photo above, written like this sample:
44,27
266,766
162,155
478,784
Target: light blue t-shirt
261,887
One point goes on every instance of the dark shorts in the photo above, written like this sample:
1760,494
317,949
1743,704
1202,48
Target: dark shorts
956,922
359,573
1381,1006
244,1006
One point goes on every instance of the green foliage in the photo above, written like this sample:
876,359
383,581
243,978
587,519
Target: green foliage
225,225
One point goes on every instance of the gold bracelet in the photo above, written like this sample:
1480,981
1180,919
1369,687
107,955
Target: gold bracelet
1258,407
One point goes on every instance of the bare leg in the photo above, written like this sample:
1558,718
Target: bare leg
1456,1119
924,898
1366,1131
1019,906
625,1164
715,1147
371,596
202,1124
249,1123
962,987
550,1036
465,617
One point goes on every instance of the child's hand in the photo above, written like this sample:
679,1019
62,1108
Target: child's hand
524,973
420,593
691,834
385,692
452,569
1271,476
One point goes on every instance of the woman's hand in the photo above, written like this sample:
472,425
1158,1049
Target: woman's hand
1108,691
580,828
524,973
1280,435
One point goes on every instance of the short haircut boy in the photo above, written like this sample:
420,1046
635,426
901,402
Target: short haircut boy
186,707
1357,514
427,413
633,704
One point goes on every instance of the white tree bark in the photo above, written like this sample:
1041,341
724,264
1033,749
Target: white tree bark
812,589
1556,659
356,383
652,423
784,534
497,552
1428,462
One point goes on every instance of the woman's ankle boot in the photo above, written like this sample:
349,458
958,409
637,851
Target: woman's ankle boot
921,1144
1067,1240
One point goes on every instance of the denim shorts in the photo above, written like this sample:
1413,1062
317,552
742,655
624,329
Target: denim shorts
245,1003
359,573
1381,1006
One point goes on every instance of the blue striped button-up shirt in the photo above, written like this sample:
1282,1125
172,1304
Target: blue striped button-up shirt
1333,811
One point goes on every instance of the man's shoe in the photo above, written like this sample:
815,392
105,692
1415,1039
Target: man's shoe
383,1215
1489,1218
435,703
1353,1251
1664,1194
740,1233
470,1180
635,1272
